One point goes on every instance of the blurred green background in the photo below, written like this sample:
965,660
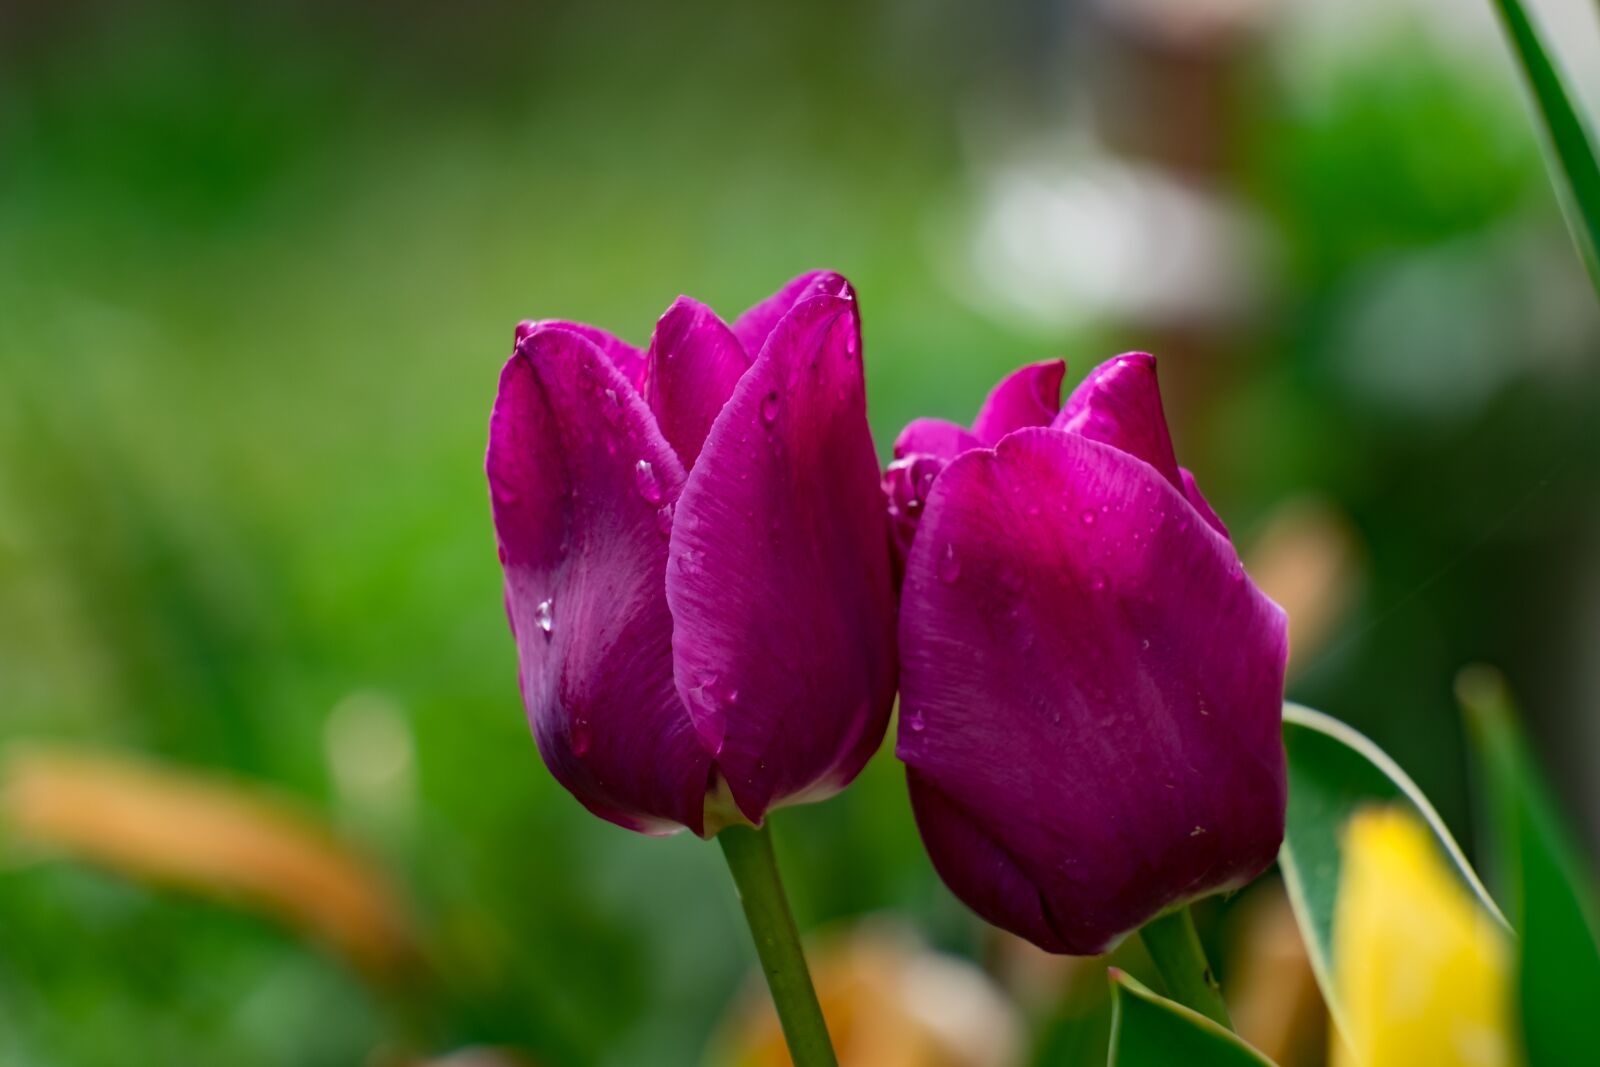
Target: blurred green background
259,268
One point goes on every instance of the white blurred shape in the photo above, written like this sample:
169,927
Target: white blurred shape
371,756
1069,239
1315,36
959,1003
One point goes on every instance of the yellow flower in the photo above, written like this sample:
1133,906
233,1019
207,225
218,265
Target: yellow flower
1423,971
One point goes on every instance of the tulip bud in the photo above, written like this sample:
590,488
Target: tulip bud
696,558
1091,687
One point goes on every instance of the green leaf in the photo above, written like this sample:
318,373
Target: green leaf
1334,772
1151,1031
1546,885
1569,149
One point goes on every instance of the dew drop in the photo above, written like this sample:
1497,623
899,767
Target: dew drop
664,518
1087,516
579,737
769,407
544,616
916,722
948,567
1097,580
644,476
1145,644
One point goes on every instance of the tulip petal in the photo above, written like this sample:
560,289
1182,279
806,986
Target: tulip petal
939,438
694,363
1089,677
1191,492
755,325
977,868
1028,396
1120,403
627,358
779,580
906,485
582,484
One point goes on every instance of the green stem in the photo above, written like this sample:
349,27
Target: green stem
1175,947
766,909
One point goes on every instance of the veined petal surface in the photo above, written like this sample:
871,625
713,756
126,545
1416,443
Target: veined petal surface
582,485
782,600
1090,680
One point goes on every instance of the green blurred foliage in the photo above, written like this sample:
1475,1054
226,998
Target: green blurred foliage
259,267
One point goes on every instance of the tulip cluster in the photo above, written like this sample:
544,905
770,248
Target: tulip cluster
714,599
696,558
1091,686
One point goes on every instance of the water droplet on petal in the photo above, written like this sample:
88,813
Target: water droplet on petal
544,616
1145,644
1098,580
916,722
579,737
948,566
1088,516
664,518
769,407
644,476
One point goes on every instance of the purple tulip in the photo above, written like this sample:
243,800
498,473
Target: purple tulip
696,558
1091,686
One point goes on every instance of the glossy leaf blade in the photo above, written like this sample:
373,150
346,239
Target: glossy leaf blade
1568,144
1548,889
1148,1030
1335,772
